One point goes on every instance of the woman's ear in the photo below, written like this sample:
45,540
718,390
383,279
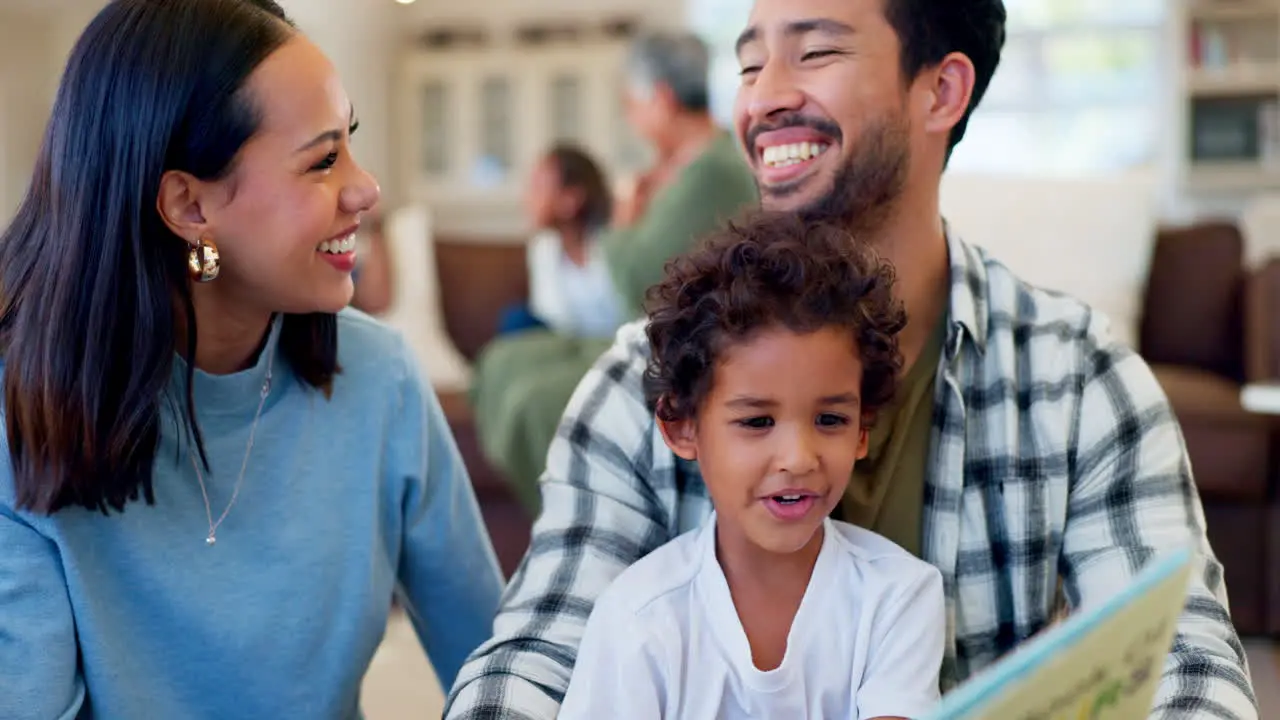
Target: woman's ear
681,436
178,203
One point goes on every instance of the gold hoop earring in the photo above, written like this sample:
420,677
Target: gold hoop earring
203,261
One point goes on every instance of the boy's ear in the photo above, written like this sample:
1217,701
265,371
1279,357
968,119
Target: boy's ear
681,436
863,443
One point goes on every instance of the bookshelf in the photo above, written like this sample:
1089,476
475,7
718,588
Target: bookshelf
1231,95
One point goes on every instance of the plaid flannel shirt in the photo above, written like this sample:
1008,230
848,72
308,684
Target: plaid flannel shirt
1055,458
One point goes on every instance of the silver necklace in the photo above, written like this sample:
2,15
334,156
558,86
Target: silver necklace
212,538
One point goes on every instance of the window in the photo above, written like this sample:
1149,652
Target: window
565,104
495,123
435,128
1078,90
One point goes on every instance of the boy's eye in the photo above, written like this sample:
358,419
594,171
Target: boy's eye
756,423
832,420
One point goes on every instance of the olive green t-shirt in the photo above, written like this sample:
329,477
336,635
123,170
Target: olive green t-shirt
886,494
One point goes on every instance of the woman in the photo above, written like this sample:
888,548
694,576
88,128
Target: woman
217,476
570,291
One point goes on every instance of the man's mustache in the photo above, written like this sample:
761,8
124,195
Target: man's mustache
826,127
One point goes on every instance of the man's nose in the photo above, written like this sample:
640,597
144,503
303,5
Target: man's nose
774,91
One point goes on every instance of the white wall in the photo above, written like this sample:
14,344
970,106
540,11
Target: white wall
1087,237
505,13
34,46
25,99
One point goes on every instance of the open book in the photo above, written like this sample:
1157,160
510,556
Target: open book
1102,663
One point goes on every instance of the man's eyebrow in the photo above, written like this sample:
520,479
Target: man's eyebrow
826,26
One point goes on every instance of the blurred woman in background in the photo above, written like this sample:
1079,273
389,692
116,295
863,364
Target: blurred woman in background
570,291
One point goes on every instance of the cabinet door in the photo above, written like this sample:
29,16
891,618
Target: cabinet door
478,120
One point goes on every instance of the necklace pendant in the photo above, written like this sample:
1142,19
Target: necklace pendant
210,540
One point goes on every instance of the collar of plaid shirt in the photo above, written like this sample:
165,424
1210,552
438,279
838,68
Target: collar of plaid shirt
1055,462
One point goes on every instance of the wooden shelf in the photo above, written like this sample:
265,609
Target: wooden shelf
1229,95
1242,79
1228,176
1228,10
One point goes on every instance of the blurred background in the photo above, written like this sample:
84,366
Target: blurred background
1127,152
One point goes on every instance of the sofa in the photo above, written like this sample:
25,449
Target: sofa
1208,326
477,278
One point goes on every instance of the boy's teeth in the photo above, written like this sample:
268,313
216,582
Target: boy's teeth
784,155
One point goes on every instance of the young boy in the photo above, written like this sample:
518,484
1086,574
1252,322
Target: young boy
773,344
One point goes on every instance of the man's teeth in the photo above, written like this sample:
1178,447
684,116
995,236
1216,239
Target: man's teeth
338,247
784,155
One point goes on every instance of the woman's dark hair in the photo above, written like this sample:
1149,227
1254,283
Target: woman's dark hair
768,270
576,169
94,292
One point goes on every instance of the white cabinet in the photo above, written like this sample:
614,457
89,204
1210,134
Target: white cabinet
473,121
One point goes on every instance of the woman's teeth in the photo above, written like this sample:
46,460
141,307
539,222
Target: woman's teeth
784,155
338,247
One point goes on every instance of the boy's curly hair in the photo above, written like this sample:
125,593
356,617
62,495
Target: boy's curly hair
768,270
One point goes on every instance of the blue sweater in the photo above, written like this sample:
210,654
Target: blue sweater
344,501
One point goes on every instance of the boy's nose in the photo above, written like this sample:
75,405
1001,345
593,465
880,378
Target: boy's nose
798,454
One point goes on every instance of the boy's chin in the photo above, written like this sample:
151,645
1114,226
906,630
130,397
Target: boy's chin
787,540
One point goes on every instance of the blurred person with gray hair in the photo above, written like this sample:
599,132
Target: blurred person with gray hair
523,381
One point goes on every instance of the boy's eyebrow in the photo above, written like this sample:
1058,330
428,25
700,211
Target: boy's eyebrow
751,402
849,398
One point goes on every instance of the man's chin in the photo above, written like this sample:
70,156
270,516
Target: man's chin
791,197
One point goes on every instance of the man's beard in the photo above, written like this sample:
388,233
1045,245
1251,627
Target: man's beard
864,193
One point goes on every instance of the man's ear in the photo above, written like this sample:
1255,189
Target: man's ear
681,436
950,90
179,205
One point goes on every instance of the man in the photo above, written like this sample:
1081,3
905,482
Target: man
523,382
1027,450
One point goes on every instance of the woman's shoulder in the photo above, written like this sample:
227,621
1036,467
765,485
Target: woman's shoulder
370,351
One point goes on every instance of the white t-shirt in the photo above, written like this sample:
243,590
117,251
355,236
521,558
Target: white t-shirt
580,301
664,640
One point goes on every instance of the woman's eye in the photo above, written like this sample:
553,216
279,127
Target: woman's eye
328,162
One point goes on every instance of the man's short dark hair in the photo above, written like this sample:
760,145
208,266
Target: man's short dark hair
930,29
769,270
